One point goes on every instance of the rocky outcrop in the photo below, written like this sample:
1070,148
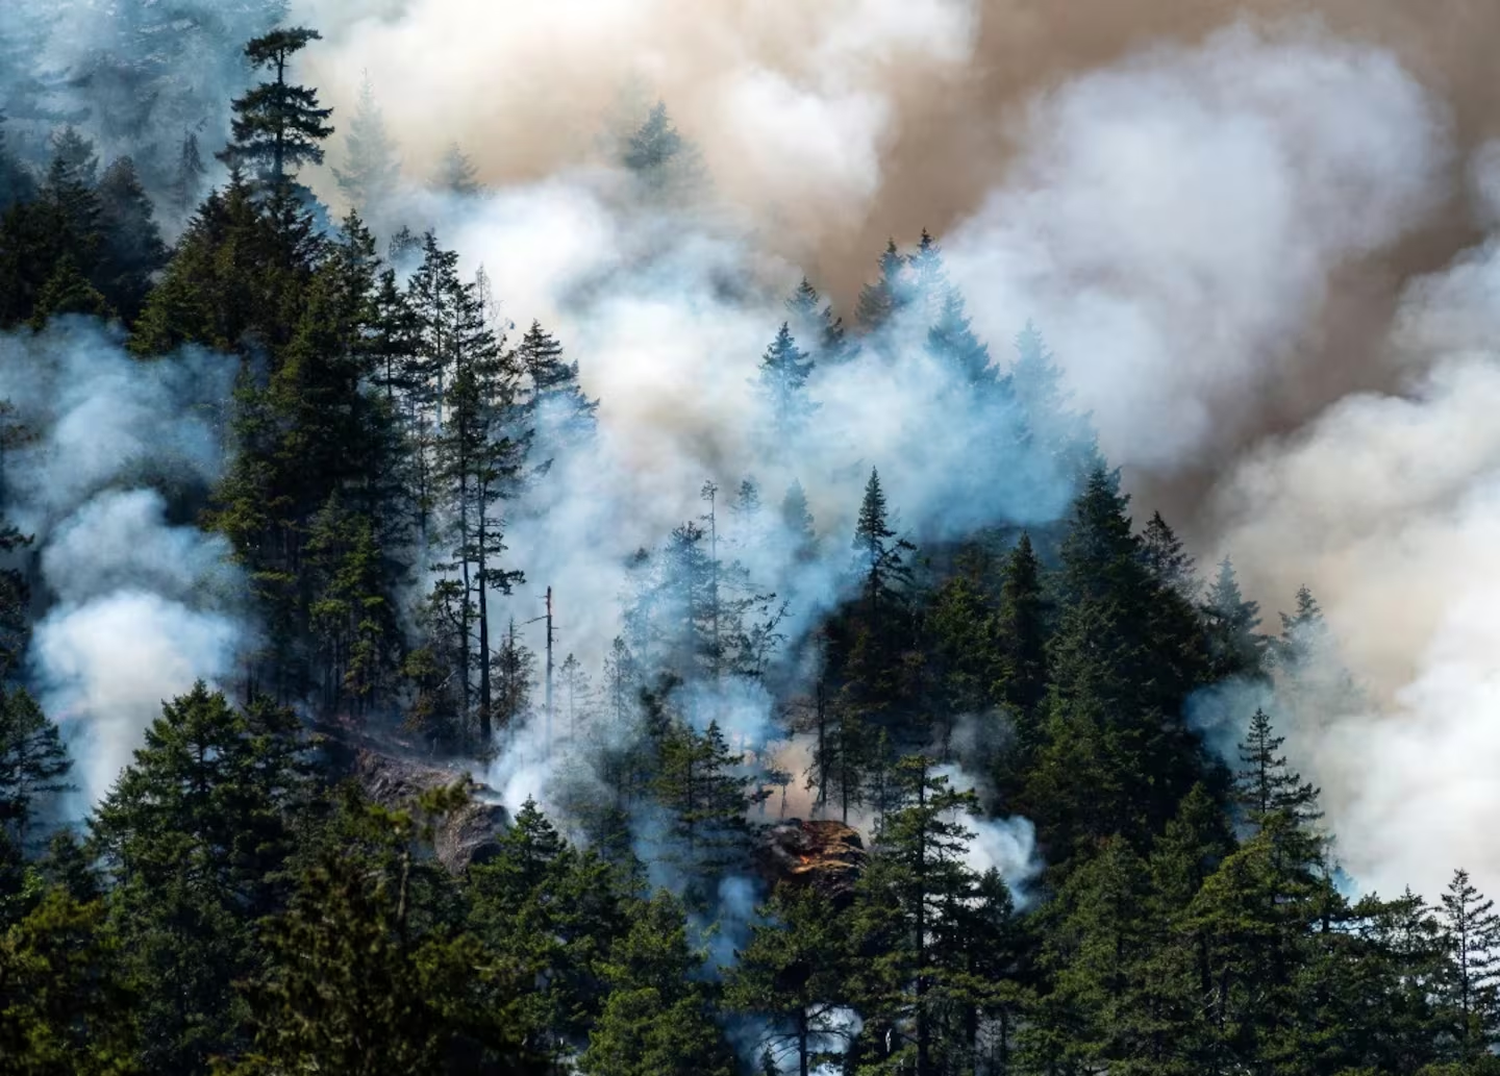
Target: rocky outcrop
467,836
825,855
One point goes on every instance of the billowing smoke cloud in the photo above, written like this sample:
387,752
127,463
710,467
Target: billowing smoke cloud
802,99
1216,228
1390,506
139,602
1174,222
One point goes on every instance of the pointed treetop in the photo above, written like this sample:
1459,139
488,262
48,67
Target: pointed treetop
654,144
880,301
1166,559
278,125
784,370
1266,785
456,174
371,171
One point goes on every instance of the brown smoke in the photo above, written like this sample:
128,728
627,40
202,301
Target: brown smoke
834,124
937,170
525,87
526,90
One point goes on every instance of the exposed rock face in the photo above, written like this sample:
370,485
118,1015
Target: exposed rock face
827,856
465,837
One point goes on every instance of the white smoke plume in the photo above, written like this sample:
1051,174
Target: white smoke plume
1182,217
1389,506
1006,845
138,605
1174,221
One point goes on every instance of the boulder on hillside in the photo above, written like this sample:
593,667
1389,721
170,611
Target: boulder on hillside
823,854
465,837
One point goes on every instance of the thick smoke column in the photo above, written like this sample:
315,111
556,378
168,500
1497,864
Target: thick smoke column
1390,505
796,104
1216,225
1179,224
139,603
1174,222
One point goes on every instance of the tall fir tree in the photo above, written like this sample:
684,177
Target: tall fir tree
34,763
278,126
131,250
1470,986
907,915
187,177
784,370
659,1017
1235,648
881,301
371,172
813,320
456,173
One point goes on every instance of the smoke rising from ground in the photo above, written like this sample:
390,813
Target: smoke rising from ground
1256,247
1390,505
1174,222
139,604
1184,225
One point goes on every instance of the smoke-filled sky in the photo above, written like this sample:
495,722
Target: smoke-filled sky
1254,234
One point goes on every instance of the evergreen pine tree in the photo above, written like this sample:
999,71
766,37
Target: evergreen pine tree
68,195
371,171
881,558
1304,637
277,125
795,973
369,971
1234,647
67,1003
1052,429
475,462
131,250
456,173
1169,564
659,1018
1470,989
194,837
908,899
1021,623
784,370
881,301
665,165
1266,785
187,179
702,786
555,406
797,523
814,321
74,155
34,764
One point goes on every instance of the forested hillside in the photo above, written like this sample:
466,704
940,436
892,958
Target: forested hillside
924,749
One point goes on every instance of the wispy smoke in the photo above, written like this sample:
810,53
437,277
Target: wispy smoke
139,602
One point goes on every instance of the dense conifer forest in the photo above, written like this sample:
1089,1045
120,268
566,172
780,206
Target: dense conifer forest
843,785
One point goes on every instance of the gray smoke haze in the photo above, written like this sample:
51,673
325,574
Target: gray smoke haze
1390,505
1185,225
1257,247
138,605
